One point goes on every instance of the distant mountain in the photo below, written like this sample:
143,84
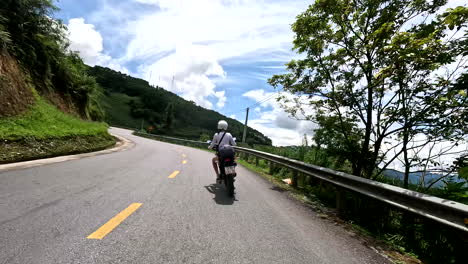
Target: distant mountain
415,177
132,102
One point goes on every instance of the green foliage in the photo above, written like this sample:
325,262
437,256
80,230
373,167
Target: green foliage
169,116
4,35
330,138
205,137
44,121
456,17
309,154
40,44
128,100
371,64
455,191
31,148
463,173
118,110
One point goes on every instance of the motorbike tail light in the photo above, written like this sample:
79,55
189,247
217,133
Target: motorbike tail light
227,159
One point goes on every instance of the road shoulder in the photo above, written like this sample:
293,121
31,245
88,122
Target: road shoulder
121,145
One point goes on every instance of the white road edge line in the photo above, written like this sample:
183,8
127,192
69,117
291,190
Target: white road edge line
121,145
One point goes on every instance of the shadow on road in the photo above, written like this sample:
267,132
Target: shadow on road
278,189
220,194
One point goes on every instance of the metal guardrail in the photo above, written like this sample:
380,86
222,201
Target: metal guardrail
173,139
447,212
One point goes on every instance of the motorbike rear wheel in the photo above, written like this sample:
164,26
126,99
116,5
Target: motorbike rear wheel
229,183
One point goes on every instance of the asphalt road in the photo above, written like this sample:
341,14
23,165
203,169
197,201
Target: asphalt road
48,212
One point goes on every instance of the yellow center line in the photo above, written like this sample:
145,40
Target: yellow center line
174,174
184,161
114,222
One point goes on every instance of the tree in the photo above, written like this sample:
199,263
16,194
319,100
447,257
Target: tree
41,46
169,118
375,63
204,137
330,139
4,35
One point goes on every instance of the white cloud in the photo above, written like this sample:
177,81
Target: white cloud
88,42
187,72
221,99
230,28
85,39
274,122
208,32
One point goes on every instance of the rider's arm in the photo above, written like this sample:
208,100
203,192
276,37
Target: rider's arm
213,142
231,141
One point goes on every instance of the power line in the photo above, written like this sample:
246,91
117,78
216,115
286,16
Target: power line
263,101
255,104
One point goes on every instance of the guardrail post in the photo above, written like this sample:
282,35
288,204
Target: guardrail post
294,179
256,161
408,226
247,156
340,201
272,167
301,178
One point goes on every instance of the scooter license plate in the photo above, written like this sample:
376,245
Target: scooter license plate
230,170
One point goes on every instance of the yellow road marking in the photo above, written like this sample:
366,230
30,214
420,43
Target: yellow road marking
114,222
183,155
174,174
184,162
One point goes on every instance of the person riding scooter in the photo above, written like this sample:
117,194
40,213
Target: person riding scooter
220,139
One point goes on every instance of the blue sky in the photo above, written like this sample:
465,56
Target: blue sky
218,53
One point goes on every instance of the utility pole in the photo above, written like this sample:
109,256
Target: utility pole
245,125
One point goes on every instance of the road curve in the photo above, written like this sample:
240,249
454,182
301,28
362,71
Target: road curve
146,205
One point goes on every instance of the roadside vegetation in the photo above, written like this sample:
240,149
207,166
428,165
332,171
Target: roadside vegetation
49,105
386,82
415,237
44,131
454,188
45,121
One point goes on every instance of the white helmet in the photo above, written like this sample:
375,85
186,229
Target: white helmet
222,125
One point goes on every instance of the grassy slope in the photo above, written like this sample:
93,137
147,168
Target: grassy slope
118,110
44,131
44,121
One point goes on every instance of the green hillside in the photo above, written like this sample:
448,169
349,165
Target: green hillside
48,103
118,110
131,102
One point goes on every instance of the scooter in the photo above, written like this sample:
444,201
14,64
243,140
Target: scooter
227,168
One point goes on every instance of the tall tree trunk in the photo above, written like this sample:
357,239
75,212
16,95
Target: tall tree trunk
405,156
364,155
374,158
406,129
